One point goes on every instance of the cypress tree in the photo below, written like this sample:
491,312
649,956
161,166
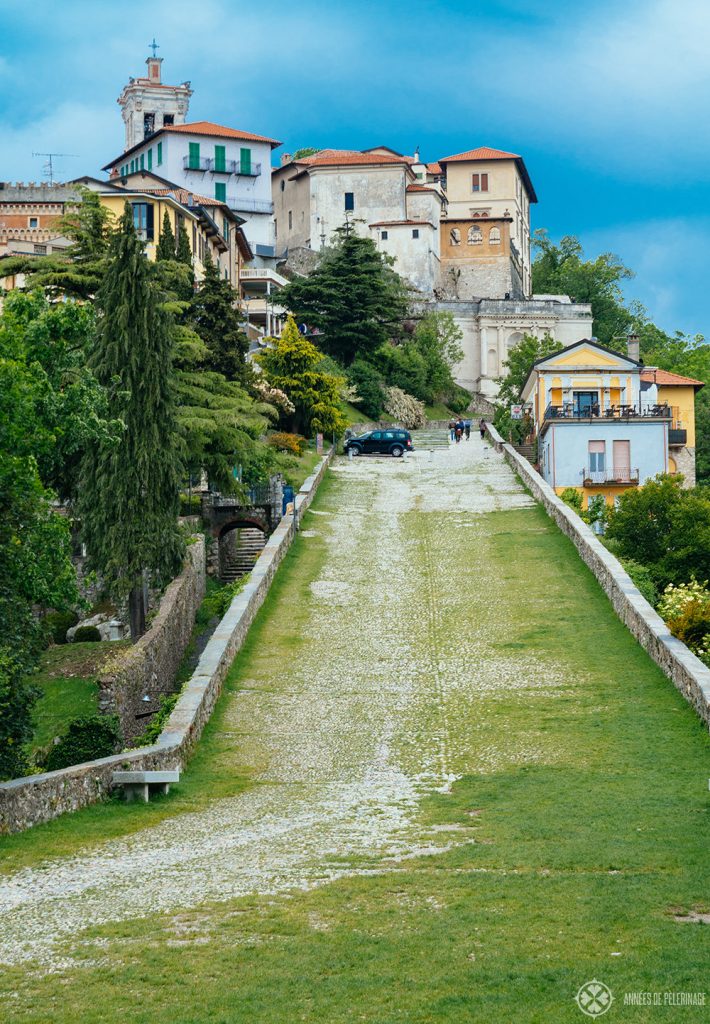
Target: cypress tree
184,252
217,320
166,242
129,490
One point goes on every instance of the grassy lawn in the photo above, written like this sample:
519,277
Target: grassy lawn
573,841
66,678
439,411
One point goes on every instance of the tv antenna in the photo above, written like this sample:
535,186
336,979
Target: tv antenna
48,169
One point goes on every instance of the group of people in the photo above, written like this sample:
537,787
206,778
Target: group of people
462,428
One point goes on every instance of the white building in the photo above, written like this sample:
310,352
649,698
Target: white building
210,159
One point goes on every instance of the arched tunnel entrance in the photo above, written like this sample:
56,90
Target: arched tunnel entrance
240,544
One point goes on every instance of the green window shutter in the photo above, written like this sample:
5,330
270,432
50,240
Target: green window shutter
194,162
160,153
150,159
220,191
142,161
133,166
220,158
245,161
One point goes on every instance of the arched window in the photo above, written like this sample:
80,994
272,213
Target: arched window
494,236
475,235
455,236
513,340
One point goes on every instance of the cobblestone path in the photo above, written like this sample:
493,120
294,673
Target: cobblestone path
370,696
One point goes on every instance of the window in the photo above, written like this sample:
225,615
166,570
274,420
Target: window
220,159
349,200
150,159
384,236
225,228
194,157
40,250
142,161
220,191
475,235
290,219
143,221
283,185
479,182
34,222
597,456
245,161
455,236
148,124
494,236
159,154
133,166
168,119
415,232
276,227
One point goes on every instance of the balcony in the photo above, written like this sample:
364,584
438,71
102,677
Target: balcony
619,477
568,411
676,436
249,205
208,163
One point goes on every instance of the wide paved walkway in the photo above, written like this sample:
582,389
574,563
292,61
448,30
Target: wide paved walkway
366,714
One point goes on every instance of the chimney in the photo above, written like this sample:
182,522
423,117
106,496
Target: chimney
633,347
285,159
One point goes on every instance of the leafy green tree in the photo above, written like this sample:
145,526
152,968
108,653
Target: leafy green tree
166,248
184,252
354,298
305,151
216,318
518,365
562,269
129,491
293,366
369,386
422,364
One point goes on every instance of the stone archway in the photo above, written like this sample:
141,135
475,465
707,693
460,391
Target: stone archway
240,543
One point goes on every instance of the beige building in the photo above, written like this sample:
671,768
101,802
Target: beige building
147,105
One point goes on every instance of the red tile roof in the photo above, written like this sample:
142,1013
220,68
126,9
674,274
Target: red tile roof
434,168
654,376
482,153
394,223
421,188
182,195
210,128
349,157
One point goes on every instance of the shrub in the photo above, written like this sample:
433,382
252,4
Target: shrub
367,382
404,409
675,600
155,727
686,609
86,635
219,601
642,578
86,739
572,497
295,444
57,624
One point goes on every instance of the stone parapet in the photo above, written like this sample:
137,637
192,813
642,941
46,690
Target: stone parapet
686,671
37,798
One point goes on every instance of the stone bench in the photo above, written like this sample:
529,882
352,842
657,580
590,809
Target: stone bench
137,785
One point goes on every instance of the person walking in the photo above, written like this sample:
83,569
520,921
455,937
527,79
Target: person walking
467,428
482,428
452,430
459,430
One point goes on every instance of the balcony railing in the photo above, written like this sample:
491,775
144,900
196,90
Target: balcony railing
622,477
249,205
568,411
208,163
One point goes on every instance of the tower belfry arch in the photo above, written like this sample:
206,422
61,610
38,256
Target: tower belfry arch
147,104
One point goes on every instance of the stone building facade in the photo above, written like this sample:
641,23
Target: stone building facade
28,215
147,105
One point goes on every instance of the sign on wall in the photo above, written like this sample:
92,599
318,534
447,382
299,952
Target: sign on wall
516,412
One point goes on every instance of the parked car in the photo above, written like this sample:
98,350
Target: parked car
380,442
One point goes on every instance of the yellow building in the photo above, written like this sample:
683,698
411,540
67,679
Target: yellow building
605,423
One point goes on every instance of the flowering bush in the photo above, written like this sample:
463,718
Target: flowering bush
675,600
404,408
274,396
686,609
284,442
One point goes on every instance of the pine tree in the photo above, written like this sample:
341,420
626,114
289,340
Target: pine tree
184,252
217,320
293,366
129,490
166,242
354,297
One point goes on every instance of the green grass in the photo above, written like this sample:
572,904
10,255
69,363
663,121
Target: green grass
586,850
67,680
353,414
438,411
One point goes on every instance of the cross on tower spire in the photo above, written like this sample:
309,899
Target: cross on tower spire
153,46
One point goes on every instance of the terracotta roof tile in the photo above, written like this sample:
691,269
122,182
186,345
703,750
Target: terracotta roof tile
210,128
655,376
421,188
434,168
349,157
482,153
182,195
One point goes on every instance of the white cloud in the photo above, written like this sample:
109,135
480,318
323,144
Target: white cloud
72,128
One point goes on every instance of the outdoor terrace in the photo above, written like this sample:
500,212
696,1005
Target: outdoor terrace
570,411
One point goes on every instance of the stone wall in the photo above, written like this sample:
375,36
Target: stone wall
29,801
687,672
149,667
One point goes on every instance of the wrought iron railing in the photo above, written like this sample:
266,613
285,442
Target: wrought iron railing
599,477
568,411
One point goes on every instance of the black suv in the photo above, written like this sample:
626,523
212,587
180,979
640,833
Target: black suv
380,442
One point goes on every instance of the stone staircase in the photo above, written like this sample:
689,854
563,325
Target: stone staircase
241,557
527,451
429,438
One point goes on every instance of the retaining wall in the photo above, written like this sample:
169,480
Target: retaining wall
149,667
37,798
683,668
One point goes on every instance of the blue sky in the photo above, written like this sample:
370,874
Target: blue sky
607,102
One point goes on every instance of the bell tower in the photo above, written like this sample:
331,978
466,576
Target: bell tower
148,105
